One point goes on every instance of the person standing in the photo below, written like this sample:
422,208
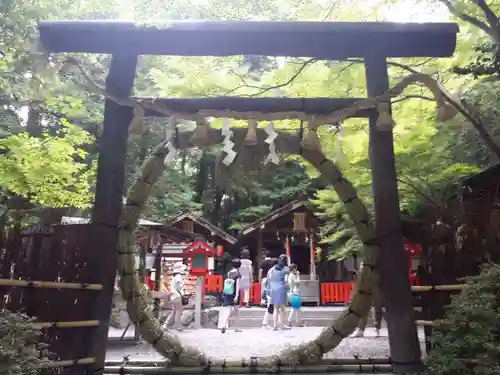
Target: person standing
377,307
265,266
266,292
246,271
294,295
231,297
177,289
278,287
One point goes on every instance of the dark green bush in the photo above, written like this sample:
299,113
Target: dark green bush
470,329
19,344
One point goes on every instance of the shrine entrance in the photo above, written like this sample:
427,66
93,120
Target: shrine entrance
384,253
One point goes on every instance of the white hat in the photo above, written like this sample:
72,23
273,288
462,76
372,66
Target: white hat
179,267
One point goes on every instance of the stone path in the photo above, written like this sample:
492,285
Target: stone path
259,343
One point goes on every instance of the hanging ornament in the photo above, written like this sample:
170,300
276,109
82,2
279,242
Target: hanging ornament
384,119
200,135
137,123
311,140
172,151
271,136
227,133
251,137
445,111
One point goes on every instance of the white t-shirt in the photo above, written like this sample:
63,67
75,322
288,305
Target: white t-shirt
293,282
246,271
177,286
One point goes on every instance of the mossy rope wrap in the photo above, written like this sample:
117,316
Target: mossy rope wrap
169,345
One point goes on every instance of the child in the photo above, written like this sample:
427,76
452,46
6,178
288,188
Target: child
294,295
231,297
246,271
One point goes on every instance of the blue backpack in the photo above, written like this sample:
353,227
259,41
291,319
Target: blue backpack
229,286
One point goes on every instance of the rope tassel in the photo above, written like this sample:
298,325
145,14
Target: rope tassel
311,141
251,137
384,119
200,135
137,123
445,111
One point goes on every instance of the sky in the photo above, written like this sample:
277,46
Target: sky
414,11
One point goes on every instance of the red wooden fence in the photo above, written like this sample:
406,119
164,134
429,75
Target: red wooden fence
329,292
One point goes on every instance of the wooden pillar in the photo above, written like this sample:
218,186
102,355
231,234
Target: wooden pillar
158,275
142,278
393,263
109,194
259,253
198,301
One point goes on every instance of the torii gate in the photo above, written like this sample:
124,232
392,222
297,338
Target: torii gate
374,42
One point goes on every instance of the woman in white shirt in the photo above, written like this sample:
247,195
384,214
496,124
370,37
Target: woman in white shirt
246,271
177,289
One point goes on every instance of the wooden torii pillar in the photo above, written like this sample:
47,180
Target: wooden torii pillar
374,42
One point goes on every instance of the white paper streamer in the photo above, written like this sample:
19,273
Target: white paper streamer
227,133
172,151
271,136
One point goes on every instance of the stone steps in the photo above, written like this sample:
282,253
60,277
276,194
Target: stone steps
310,316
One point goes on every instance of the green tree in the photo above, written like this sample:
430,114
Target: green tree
470,329
48,170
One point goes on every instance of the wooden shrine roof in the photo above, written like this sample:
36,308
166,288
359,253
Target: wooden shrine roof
322,40
172,234
205,224
485,178
276,214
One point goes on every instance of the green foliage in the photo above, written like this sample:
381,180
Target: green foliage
30,81
270,187
50,169
173,196
469,329
18,339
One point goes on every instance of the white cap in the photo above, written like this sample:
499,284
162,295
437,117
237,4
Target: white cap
179,267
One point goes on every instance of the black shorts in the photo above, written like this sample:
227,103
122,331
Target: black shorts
228,300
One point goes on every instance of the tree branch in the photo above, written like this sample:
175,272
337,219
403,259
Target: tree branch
406,97
263,90
468,18
488,13
411,186
395,64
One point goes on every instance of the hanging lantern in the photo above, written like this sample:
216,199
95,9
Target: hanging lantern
219,250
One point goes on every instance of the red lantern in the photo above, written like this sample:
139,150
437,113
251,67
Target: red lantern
198,253
413,249
219,250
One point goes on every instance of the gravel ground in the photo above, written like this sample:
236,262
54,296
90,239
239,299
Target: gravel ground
260,343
